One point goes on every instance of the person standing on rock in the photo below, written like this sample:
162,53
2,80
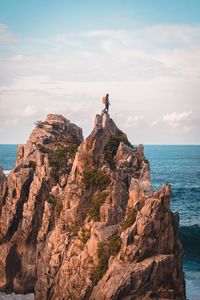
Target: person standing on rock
106,101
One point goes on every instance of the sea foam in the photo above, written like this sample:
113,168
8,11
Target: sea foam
6,172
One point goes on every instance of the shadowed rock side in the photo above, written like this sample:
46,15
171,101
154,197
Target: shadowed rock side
80,220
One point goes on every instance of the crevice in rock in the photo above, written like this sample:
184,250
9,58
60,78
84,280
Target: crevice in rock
38,214
19,209
13,266
3,199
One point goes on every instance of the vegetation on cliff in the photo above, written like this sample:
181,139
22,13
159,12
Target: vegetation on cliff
130,218
104,251
59,159
94,206
112,145
95,179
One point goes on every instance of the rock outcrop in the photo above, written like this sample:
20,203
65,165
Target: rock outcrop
80,220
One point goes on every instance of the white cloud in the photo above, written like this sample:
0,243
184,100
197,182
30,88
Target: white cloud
103,33
174,34
18,57
177,119
6,37
148,72
187,129
133,121
181,121
10,122
28,111
155,122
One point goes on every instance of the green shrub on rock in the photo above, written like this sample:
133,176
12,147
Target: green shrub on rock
104,252
39,124
42,148
58,159
95,179
85,235
56,204
130,218
102,266
58,207
114,244
111,147
95,204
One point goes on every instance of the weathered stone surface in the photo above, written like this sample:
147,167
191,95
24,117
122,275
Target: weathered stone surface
3,187
80,220
141,279
28,212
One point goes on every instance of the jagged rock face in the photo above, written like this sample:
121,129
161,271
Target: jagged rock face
80,220
148,263
29,207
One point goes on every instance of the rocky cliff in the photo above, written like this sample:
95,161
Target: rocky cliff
80,220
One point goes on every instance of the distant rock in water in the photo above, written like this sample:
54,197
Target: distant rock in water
80,220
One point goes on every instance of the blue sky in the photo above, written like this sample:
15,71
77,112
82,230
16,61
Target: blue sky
47,17
62,56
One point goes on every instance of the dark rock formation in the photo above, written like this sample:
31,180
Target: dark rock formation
3,187
80,220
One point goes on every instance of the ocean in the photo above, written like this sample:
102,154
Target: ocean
180,166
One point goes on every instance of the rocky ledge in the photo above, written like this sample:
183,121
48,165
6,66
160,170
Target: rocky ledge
79,219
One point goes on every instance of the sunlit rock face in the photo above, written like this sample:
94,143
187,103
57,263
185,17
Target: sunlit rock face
80,220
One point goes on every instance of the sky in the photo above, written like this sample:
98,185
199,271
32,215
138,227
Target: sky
63,56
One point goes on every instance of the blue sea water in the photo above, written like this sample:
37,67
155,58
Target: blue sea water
180,166
7,156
